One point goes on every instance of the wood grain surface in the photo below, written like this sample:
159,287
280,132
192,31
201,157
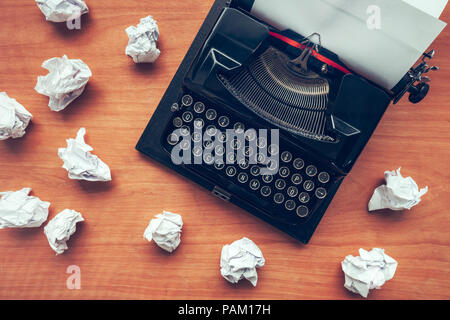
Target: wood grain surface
115,261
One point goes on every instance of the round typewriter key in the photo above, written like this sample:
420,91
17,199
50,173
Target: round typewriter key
324,177
208,158
196,137
260,158
231,171
177,122
219,151
250,135
286,156
223,121
267,178
211,130
174,107
304,197
197,151
278,198
211,114
261,142
185,131
187,116
187,100
299,164
292,192
248,151
272,165
321,193
208,144
239,127
231,157
222,137
290,205
302,211
199,107
254,184
255,171
172,139
284,172
266,191
219,165
199,123
235,144
273,149
242,177
185,144
296,179
280,184
311,171
244,164
308,185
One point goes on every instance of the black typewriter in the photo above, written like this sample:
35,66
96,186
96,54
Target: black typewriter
267,119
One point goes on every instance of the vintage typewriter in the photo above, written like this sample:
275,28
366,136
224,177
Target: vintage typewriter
243,76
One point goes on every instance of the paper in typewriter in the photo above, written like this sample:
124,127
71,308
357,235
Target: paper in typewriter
382,55
432,7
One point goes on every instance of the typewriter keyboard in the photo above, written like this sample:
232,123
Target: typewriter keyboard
293,192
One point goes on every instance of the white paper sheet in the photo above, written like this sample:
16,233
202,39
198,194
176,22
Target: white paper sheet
66,81
370,270
80,163
382,55
20,210
165,230
61,228
143,40
398,193
62,10
239,260
14,118
432,7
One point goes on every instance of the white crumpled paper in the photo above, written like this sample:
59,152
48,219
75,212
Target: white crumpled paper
370,270
143,39
60,228
14,118
80,163
62,10
398,193
165,230
19,210
66,81
239,260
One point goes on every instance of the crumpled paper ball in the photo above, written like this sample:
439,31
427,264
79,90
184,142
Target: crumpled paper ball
66,81
165,230
62,10
14,118
60,228
239,260
370,270
398,193
143,40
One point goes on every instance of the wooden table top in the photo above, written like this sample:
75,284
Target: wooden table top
115,261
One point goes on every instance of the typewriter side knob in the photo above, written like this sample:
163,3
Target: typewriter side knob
419,92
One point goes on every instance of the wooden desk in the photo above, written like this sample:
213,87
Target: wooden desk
115,261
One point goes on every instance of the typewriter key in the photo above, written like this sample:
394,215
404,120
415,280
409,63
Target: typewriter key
324,177
284,172
286,156
254,184
299,164
296,179
208,144
280,184
177,122
321,193
242,177
197,151
231,171
278,198
266,191
304,197
272,165
235,144
199,123
267,178
172,139
308,185
224,121
211,130
199,107
174,107
187,100
248,151
239,127
185,130
244,164
260,158
273,149
290,205
185,144
219,151
250,135
222,137
255,171
261,142
231,157
302,211
208,158
211,114
292,192
311,171
196,137
219,165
